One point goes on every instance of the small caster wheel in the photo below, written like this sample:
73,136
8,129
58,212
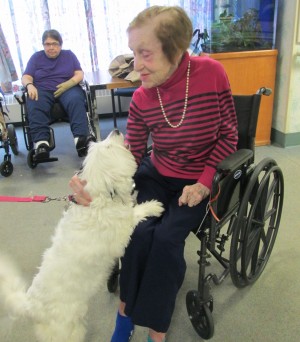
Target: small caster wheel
6,168
30,162
13,140
200,315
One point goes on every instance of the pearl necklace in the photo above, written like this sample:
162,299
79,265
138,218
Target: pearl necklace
185,101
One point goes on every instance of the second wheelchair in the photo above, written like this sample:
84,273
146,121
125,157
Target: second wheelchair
57,114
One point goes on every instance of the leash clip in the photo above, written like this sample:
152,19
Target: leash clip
59,199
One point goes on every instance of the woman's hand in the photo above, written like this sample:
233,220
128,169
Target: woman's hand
193,194
80,195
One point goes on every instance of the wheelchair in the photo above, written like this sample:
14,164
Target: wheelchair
244,212
8,139
57,114
247,200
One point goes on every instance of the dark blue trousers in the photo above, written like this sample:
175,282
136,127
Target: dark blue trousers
153,266
73,102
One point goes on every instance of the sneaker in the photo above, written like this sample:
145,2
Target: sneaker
82,145
124,329
42,152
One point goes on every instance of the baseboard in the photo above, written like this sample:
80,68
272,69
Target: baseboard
285,140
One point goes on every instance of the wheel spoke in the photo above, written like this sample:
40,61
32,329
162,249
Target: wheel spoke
252,245
254,264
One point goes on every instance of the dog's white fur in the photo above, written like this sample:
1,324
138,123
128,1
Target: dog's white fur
85,245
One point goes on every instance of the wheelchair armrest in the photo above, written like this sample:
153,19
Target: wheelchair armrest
233,161
20,96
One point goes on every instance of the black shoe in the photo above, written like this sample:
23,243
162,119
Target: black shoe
42,152
82,145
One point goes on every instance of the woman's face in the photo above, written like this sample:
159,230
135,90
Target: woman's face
149,60
52,47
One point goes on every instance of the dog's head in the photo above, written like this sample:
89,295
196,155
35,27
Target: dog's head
109,167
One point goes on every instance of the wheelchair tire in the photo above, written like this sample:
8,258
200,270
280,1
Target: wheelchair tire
30,162
257,223
200,315
6,168
13,140
113,280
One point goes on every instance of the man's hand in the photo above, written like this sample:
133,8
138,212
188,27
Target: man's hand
61,88
32,92
193,194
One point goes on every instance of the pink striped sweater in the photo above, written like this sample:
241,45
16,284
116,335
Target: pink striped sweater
208,132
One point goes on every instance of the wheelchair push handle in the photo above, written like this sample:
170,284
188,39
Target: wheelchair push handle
264,91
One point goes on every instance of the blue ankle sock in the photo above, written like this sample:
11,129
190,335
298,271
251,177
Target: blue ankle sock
150,339
123,330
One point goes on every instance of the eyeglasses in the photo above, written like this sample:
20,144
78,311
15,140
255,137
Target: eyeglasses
55,44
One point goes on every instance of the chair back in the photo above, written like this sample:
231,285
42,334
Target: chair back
247,109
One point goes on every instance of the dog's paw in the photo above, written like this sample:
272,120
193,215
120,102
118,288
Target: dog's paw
147,209
154,208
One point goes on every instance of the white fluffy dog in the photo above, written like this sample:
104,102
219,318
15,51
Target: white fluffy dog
85,245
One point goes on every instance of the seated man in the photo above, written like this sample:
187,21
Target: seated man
53,74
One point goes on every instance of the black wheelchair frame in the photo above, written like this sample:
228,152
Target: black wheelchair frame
58,114
8,139
248,200
245,209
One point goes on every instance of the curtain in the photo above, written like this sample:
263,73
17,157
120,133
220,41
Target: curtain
95,30
7,69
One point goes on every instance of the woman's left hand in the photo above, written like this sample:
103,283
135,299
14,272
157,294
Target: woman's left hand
80,195
193,194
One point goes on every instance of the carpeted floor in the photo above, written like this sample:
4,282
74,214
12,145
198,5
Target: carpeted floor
267,311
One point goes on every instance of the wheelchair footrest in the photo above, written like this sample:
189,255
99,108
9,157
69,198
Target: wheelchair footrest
45,160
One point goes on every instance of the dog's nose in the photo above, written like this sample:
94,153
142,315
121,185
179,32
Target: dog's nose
116,131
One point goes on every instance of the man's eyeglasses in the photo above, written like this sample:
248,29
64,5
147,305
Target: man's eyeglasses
55,44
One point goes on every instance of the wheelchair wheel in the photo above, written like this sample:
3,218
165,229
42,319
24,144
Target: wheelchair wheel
13,141
200,315
6,168
113,280
30,162
257,223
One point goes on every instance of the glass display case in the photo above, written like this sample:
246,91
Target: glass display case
240,25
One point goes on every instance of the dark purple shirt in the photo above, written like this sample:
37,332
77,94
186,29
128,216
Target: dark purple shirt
48,72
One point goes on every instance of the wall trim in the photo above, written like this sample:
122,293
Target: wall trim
285,140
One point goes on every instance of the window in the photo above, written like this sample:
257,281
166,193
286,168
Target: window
95,30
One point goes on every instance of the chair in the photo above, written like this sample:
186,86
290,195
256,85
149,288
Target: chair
245,209
58,114
120,92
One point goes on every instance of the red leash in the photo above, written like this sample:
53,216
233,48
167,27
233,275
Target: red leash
41,199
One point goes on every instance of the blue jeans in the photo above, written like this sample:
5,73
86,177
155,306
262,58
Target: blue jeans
73,102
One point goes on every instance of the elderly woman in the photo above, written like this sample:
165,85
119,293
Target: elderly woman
54,73
185,103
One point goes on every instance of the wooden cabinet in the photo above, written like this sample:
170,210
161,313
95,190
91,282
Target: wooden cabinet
247,72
